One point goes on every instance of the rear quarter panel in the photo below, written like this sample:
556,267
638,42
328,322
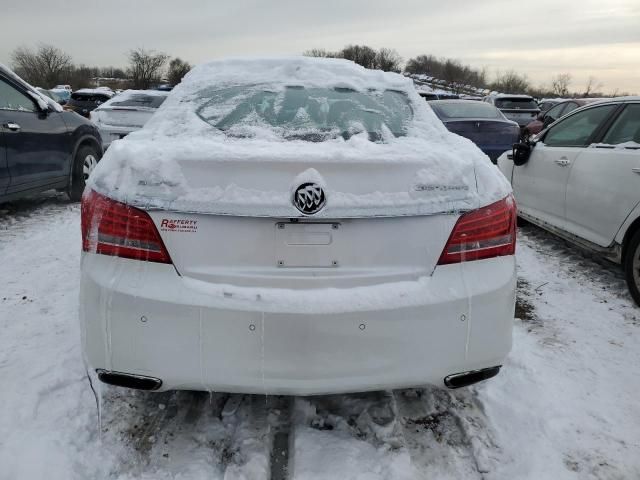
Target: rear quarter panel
629,221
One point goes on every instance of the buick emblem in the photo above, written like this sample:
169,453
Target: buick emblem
309,198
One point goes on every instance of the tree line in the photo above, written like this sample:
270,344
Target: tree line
458,76
47,66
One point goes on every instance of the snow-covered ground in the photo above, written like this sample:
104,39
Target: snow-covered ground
565,405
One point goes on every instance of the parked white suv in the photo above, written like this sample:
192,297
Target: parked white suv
580,179
296,226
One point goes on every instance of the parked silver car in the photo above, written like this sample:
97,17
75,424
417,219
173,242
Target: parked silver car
126,113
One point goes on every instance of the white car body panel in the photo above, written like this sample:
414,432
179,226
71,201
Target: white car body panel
602,190
265,252
630,220
145,319
540,184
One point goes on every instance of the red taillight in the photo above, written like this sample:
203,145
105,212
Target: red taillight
484,233
117,229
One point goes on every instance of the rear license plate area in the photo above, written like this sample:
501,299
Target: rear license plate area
306,245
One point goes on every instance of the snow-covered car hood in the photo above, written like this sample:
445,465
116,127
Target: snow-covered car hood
179,162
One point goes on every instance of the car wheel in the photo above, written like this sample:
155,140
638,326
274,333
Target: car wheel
632,266
85,161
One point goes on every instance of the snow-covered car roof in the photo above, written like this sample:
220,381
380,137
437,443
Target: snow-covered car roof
558,100
95,91
161,156
511,95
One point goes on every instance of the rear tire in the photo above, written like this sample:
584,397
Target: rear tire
84,162
632,266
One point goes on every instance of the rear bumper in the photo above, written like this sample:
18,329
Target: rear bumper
109,134
144,319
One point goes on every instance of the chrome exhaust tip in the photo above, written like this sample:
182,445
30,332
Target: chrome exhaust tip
465,379
128,380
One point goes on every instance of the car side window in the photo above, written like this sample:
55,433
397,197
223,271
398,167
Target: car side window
626,128
13,99
554,112
570,108
576,131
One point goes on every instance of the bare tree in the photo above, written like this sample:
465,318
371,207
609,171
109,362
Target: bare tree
451,71
145,67
386,59
83,76
560,84
178,68
423,64
592,85
389,60
321,53
46,66
510,82
360,54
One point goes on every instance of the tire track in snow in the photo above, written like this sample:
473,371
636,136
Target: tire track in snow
252,425
446,433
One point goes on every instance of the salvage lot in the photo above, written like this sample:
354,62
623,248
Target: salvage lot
564,406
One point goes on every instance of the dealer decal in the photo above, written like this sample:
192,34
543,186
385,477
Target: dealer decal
179,225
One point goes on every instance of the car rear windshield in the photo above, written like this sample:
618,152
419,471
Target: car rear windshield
89,97
466,110
312,114
139,100
517,103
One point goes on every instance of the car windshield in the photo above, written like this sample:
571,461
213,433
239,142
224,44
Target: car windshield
139,100
466,110
312,114
517,103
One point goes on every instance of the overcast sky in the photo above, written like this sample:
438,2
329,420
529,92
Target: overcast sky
540,38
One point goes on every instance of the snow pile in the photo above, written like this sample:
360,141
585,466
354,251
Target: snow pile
176,160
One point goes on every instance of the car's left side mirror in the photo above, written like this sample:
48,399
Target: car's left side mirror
44,110
521,153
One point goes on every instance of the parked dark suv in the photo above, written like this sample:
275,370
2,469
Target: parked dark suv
86,100
41,146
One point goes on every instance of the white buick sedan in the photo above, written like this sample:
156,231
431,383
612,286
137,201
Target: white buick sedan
296,226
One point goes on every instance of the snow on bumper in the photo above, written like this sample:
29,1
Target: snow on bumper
143,318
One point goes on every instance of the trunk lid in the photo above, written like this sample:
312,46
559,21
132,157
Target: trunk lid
383,222
484,132
280,253
263,185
